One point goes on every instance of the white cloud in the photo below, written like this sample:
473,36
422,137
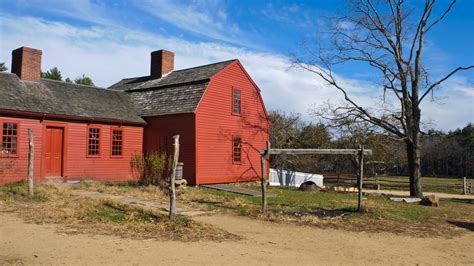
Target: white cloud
108,54
201,17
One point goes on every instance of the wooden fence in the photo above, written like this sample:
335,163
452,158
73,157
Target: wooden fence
467,186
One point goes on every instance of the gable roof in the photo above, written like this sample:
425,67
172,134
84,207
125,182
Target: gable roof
67,99
178,92
188,75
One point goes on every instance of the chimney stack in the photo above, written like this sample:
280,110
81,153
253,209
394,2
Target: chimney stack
26,63
162,63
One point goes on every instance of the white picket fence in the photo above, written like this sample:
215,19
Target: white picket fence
293,179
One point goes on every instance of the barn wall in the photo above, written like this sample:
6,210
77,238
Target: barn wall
15,168
216,125
159,133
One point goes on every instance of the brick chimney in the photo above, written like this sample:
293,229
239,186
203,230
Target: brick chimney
26,63
162,63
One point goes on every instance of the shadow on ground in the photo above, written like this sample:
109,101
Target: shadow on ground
466,225
471,201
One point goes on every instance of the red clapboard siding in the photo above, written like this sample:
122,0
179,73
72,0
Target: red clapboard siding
105,167
216,125
163,128
16,168
76,163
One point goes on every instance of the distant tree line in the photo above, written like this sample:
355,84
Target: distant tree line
444,154
55,74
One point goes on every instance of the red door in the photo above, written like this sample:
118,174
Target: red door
54,151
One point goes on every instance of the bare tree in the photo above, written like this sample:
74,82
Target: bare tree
389,36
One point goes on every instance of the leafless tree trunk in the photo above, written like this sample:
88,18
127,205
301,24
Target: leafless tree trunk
360,178
389,37
264,156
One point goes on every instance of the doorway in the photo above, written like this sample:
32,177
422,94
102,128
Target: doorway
54,152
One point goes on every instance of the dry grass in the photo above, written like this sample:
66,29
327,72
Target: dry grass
131,189
322,209
56,205
337,211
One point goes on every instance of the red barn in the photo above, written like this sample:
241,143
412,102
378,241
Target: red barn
91,133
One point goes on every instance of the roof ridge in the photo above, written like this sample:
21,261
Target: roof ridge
57,81
179,70
165,86
74,84
225,61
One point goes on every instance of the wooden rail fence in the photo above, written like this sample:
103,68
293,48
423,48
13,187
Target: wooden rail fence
467,186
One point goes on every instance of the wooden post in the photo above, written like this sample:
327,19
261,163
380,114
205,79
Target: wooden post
377,184
464,186
360,178
264,156
31,160
172,213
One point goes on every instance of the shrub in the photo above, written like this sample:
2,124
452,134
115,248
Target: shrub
151,168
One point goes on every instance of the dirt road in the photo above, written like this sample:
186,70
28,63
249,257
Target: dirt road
263,243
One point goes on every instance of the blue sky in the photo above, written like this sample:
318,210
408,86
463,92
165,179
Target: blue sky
110,40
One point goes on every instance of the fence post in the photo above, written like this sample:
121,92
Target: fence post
263,156
31,161
172,213
360,177
464,186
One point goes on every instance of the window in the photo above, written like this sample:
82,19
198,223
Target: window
236,101
93,142
117,142
9,139
236,150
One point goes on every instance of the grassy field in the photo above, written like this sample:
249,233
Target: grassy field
337,210
288,205
323,209
429,184
57,205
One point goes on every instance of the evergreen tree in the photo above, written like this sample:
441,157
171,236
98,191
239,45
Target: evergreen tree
84,80
3,67
53,74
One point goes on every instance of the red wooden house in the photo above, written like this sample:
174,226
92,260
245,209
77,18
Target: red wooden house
91,133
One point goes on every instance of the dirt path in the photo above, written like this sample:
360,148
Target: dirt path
407,193
264,243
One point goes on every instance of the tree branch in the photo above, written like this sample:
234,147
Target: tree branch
442,16
442,80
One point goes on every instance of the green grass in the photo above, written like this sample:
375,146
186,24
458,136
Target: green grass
380,213
19,191
291,200
105,213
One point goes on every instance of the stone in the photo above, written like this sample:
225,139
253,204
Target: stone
430,200
179,184
309,186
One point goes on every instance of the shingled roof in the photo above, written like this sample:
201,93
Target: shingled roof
61,98
188,75
178,92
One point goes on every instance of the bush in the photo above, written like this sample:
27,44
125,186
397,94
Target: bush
151,168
